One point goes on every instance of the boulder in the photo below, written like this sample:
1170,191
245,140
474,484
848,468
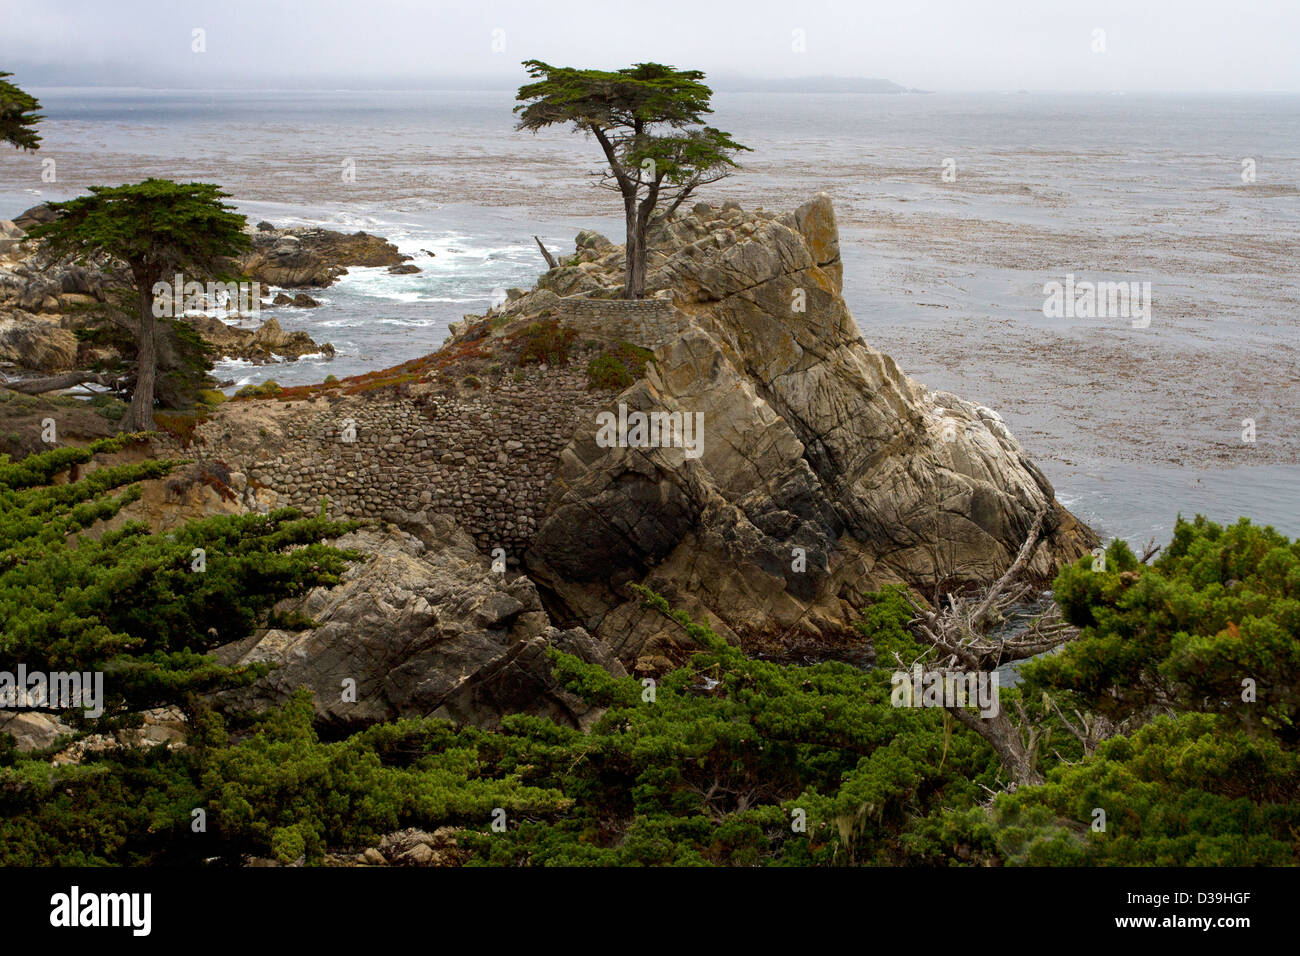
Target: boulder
31,730
266,344
11,237
423,626
31,217
301,301
39,345
313,257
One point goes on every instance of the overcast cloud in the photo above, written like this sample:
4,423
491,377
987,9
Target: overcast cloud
1165,45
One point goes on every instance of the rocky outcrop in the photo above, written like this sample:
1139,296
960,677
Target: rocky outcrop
11,235
305,256
36,344
300,301
34,216
422,626
264,345
824,470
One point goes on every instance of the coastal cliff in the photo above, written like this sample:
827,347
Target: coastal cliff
819,473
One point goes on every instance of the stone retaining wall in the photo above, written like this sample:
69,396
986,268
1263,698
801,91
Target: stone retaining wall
645,322
486,457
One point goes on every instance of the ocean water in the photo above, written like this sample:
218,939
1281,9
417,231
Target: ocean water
945,274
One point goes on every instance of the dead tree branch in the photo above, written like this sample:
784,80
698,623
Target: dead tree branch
550,259
961,631
53,383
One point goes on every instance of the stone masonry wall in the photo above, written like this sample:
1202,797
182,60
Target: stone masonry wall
648,323
485,457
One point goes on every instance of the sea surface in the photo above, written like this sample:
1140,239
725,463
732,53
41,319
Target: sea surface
1197,195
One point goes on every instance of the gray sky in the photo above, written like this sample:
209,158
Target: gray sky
1165,45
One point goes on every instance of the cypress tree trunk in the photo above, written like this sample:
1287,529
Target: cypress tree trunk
638,264
634,268
139,417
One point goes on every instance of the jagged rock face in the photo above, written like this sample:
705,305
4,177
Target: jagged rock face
313,257
423,627
36,344
824,471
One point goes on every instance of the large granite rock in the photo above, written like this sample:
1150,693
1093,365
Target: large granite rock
36,344
34,216
266,344
825,471
313,257
423,626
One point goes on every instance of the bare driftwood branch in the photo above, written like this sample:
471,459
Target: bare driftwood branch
550,259
960,628
960,632
53,383
1002,583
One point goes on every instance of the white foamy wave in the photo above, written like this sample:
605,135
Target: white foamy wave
412,323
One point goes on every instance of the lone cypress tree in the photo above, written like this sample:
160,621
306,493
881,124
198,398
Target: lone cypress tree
18,117
648,121
158,228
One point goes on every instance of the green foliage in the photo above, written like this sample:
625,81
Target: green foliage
720,760
616,368
131,603
1186,791
268,389
156,227
885,615
545,343
629,106
18,116
1217,612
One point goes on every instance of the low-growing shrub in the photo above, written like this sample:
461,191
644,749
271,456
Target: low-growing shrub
617,368
268,389
545,343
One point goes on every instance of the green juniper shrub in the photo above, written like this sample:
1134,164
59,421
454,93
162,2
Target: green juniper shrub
726,760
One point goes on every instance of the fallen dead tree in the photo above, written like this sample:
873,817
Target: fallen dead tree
54,383
960,634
